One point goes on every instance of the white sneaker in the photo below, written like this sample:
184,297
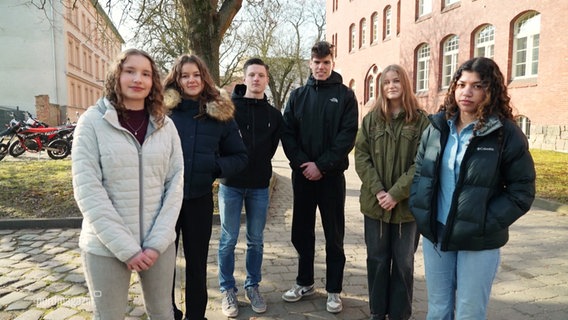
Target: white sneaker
334,304
297,292
230,304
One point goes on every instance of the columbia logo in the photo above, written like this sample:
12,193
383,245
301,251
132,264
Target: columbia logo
485,149
334,100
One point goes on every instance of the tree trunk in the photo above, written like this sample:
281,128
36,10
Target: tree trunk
206,28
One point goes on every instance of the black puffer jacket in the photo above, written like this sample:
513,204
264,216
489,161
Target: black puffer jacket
320,125
211,143
496,185
260,125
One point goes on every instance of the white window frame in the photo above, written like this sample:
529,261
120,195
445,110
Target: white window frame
363,27
424,7
375,27
388,21
526,46
485,42
422,68
370,87
353,39
449,60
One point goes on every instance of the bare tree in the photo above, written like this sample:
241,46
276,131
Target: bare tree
168,28
281,33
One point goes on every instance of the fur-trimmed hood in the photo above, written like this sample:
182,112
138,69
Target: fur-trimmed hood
222,109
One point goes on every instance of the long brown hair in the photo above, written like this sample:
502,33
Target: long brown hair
209,92
153,103
497,101
409,101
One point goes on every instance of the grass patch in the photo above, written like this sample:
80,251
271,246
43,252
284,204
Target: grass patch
551,175
40,188
36,188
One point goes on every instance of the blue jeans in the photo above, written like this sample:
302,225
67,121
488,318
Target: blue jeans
458,281
230,207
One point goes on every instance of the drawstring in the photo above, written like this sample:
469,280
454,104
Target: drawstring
400,230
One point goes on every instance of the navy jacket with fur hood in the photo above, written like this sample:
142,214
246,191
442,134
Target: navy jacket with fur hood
211,143
260,125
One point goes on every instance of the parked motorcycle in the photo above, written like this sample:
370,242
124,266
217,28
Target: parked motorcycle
34,137
8,136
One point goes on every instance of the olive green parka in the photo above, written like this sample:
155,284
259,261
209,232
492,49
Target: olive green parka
384,160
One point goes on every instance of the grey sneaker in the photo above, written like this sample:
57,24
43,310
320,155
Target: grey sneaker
230,304
256,300
334,304
297,292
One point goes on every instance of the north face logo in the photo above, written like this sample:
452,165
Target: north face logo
334,100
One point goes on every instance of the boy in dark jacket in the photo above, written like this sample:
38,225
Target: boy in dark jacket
260,124
320,124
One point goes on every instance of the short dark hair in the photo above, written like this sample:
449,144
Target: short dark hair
252,61
322,49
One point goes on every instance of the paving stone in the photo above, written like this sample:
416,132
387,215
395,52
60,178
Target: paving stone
57,287
5,280
60,313
11,297
75,278
49,302
75,290
36,286
18,305
33,314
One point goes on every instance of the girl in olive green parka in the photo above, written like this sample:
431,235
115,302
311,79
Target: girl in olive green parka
385,149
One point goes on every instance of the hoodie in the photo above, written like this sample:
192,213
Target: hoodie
260,125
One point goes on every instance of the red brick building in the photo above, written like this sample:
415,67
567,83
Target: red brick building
431,38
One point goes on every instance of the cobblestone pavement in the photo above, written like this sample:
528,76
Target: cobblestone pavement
41,275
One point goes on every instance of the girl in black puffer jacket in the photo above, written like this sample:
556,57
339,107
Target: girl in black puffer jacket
474,178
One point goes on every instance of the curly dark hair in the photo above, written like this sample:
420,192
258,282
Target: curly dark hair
154,102
497,101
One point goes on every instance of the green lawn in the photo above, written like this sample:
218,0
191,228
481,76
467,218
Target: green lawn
41,188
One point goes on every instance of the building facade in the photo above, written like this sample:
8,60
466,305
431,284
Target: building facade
431,38
62,51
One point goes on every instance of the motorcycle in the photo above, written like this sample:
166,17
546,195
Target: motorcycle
8,136
34,137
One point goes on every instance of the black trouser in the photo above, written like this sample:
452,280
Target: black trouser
195,222
390,268
327,194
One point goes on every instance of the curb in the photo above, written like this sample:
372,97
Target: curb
551,206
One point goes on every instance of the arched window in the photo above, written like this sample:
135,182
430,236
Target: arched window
387,29
485,42
450,60
374,27
526,44
370,88
362,32
422,67
352,38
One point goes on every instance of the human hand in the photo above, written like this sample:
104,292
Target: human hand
311,171
139,262
152,254
386,201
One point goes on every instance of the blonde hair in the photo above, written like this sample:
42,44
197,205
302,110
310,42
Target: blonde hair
409,101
